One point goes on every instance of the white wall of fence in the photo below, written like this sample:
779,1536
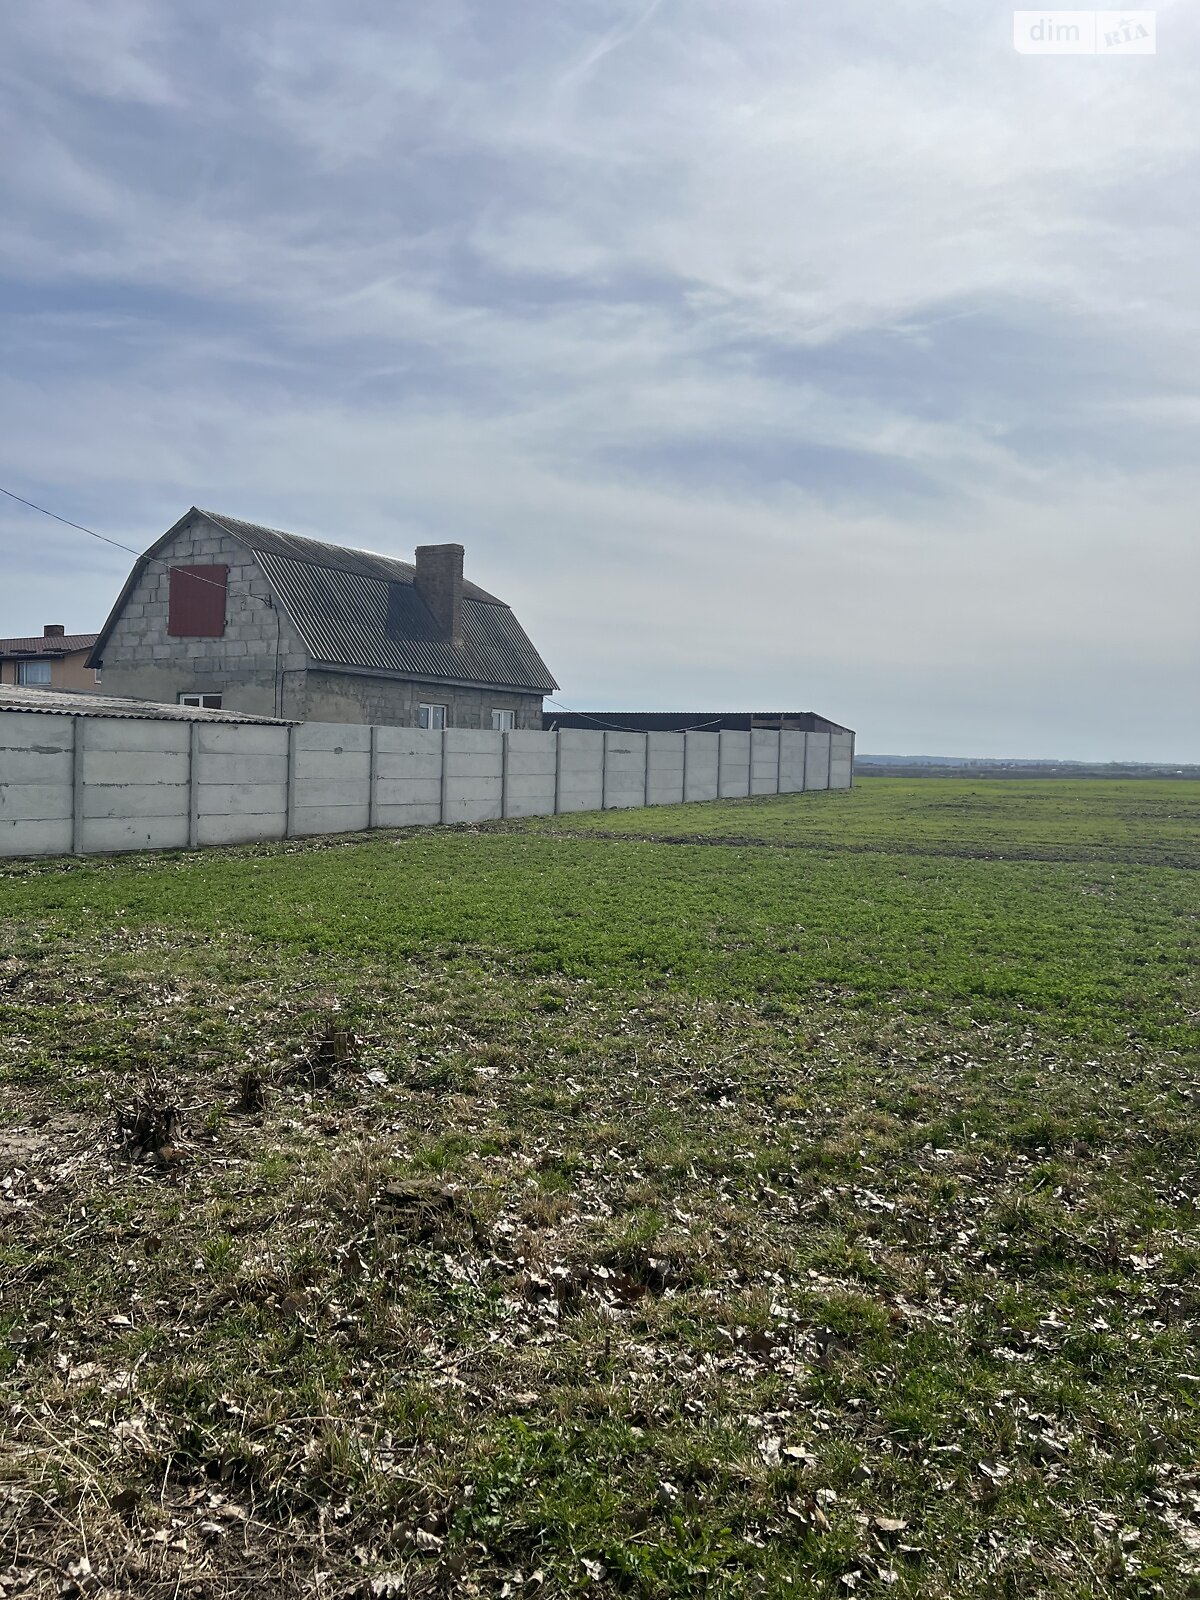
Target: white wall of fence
87,784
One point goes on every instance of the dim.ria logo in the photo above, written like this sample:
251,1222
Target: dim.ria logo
1085,33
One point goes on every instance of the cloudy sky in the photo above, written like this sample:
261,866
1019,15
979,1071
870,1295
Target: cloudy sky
761,354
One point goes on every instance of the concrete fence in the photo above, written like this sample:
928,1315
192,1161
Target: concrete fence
85,784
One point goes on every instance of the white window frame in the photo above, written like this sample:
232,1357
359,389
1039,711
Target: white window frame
37,682
431,716
503,721
203,702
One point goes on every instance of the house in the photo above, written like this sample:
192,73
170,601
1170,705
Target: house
230,615
56,660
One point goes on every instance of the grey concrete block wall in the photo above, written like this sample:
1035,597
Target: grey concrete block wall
792,746
816,761
664,768
702,766
624,770
580,769
473,775
37,756
330,778
134,784
764,761
89,783
841,760
240,783
408,777
733,773
259,655
396,702
530,772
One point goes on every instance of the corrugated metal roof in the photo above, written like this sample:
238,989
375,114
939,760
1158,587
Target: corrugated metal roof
364,562
699,721
343,617
53,644
15,697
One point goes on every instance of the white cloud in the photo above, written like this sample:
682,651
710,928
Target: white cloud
808,357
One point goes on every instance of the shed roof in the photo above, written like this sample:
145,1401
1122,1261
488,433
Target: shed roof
692,721
16,697
49,644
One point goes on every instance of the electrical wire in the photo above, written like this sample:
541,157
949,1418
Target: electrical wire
615,727
104,539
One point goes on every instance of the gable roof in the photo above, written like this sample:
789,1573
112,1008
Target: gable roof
51,644
358,610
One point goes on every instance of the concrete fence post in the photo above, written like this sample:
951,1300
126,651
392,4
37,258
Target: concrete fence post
293,740
442,807
720,757
604,770
557,771
78,747
504,774
686,742
829,764
194,786
373,781
646,771
779,759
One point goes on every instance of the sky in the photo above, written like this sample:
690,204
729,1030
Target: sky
762,355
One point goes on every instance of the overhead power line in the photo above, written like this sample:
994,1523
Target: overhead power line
103,537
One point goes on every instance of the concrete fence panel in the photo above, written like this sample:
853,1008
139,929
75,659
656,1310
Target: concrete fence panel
133,784
624,770
330,778
764,761
529,769
841,760
472,775
816,762
37,799
701,766
791,761
239,782
580,770
664,768
87,783
733,777
408,777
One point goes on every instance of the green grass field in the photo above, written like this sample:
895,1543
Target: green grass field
779,1197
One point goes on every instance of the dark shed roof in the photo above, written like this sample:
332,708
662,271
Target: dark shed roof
360,611
698,721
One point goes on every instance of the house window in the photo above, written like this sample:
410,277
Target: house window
502,721
98,674
207,702
33,672
196,602
431,717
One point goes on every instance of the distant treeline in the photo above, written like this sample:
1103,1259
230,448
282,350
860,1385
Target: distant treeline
1047,769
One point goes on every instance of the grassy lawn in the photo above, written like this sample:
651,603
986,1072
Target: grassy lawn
780,1197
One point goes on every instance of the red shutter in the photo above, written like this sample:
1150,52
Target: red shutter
196,608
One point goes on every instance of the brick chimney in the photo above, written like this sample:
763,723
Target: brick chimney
53,630
439,583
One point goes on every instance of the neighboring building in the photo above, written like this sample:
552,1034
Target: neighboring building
226,614
691,721
58,660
